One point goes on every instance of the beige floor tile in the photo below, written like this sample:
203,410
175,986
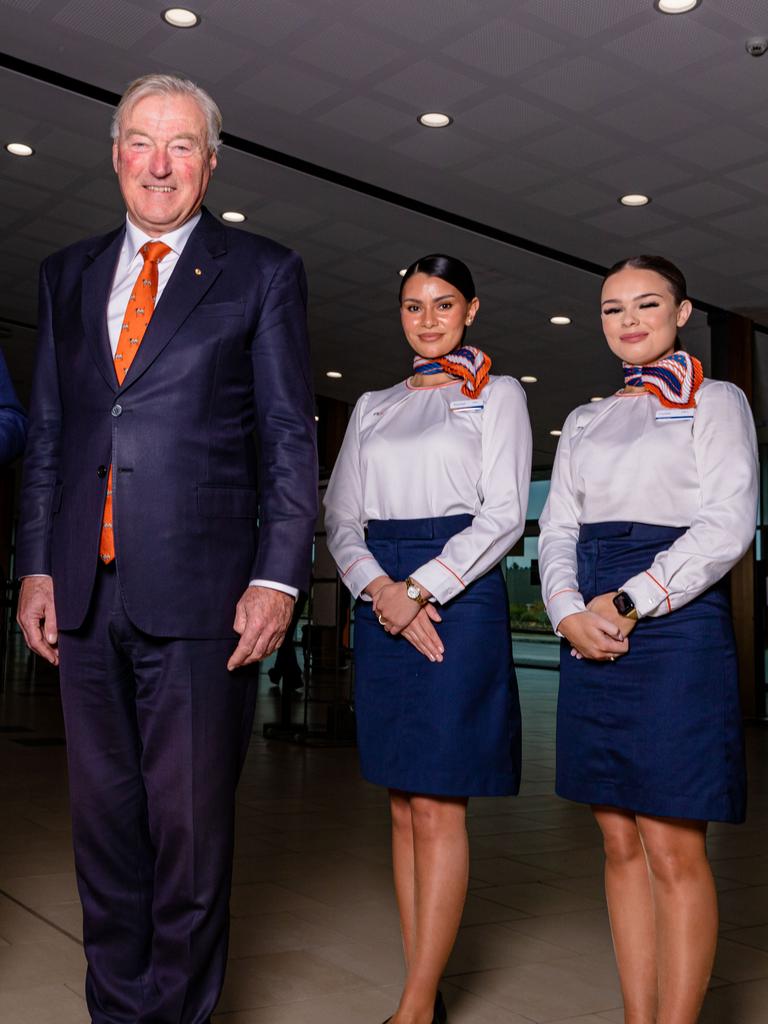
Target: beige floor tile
585,931
749,870
478,910
755,937
745,906
43,1004
277,933
480,947
379,963
736,1004
282,978
572,863
367,921
544,991
265,898
469,1008
539,898
363,1006
38,890
45,962
737,962
505,871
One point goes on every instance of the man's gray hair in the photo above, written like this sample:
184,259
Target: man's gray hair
170,85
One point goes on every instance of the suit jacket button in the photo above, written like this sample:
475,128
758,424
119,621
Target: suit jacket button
101,472
117,410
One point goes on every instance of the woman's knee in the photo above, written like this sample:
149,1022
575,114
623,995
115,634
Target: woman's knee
400,810
621,839
675,854
433,816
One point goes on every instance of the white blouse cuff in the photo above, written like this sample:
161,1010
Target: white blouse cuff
562,603
439,579
359,574
650,595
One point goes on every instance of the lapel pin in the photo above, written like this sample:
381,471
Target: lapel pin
198,272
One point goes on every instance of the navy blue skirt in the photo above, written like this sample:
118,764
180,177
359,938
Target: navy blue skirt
659,730
443,729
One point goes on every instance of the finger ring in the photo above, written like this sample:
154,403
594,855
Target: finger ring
381,620
612,658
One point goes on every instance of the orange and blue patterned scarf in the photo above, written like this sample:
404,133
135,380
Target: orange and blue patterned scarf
674,380
471,364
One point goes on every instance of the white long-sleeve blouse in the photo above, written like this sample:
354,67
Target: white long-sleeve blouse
418,452
628,458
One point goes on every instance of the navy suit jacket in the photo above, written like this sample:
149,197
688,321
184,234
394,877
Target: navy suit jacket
13,419
211,435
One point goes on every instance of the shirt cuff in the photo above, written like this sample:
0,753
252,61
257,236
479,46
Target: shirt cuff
650,595
271,585
439,579
36,575
359,574
562,603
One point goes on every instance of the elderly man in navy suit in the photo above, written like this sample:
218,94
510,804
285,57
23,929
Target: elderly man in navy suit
168,505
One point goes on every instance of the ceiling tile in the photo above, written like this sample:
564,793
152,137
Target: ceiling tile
575,199
699,200
201,54
21,5
287,88
76,149
734,146
664,44
653,116
644,173
755,176
630,223
418,21
502,48
680,243
427,85
366,118
346,236
738,84
347,51
286,216
508,174
580,84
585,17
503,118
125,25
440,148
573,146
745,223
264,21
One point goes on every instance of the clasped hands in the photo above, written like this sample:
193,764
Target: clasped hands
399,614
599,632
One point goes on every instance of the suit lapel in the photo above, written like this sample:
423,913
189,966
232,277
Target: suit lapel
193,275
96,286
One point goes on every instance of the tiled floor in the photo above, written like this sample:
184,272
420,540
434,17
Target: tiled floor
315,937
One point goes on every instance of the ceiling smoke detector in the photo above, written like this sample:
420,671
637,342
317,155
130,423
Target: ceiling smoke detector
756,46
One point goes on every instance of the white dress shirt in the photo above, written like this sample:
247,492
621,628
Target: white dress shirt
628,458
129,263
417,452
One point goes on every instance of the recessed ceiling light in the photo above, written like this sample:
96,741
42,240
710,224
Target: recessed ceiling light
675,6
634,199
403,272
180,17
555,433
334,374
317,419
528,379
233,216
19,149
560,321
433,119
596,398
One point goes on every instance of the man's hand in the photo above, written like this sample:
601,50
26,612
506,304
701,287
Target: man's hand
262,617
423,635
37,617
593,636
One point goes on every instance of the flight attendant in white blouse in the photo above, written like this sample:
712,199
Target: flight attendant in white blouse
429,492
653,500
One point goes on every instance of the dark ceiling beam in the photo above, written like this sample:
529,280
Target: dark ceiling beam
294,163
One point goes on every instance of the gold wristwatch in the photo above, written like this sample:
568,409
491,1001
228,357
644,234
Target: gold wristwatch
413,590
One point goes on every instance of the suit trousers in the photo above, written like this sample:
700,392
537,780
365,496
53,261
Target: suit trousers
157,731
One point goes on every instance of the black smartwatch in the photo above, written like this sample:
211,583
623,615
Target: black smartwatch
624,605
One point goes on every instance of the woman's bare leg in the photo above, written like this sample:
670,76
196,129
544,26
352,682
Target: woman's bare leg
631,911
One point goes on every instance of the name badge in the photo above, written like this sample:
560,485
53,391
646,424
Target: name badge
673,415
467,405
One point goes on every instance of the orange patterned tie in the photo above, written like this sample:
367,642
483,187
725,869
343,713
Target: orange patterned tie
141,305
